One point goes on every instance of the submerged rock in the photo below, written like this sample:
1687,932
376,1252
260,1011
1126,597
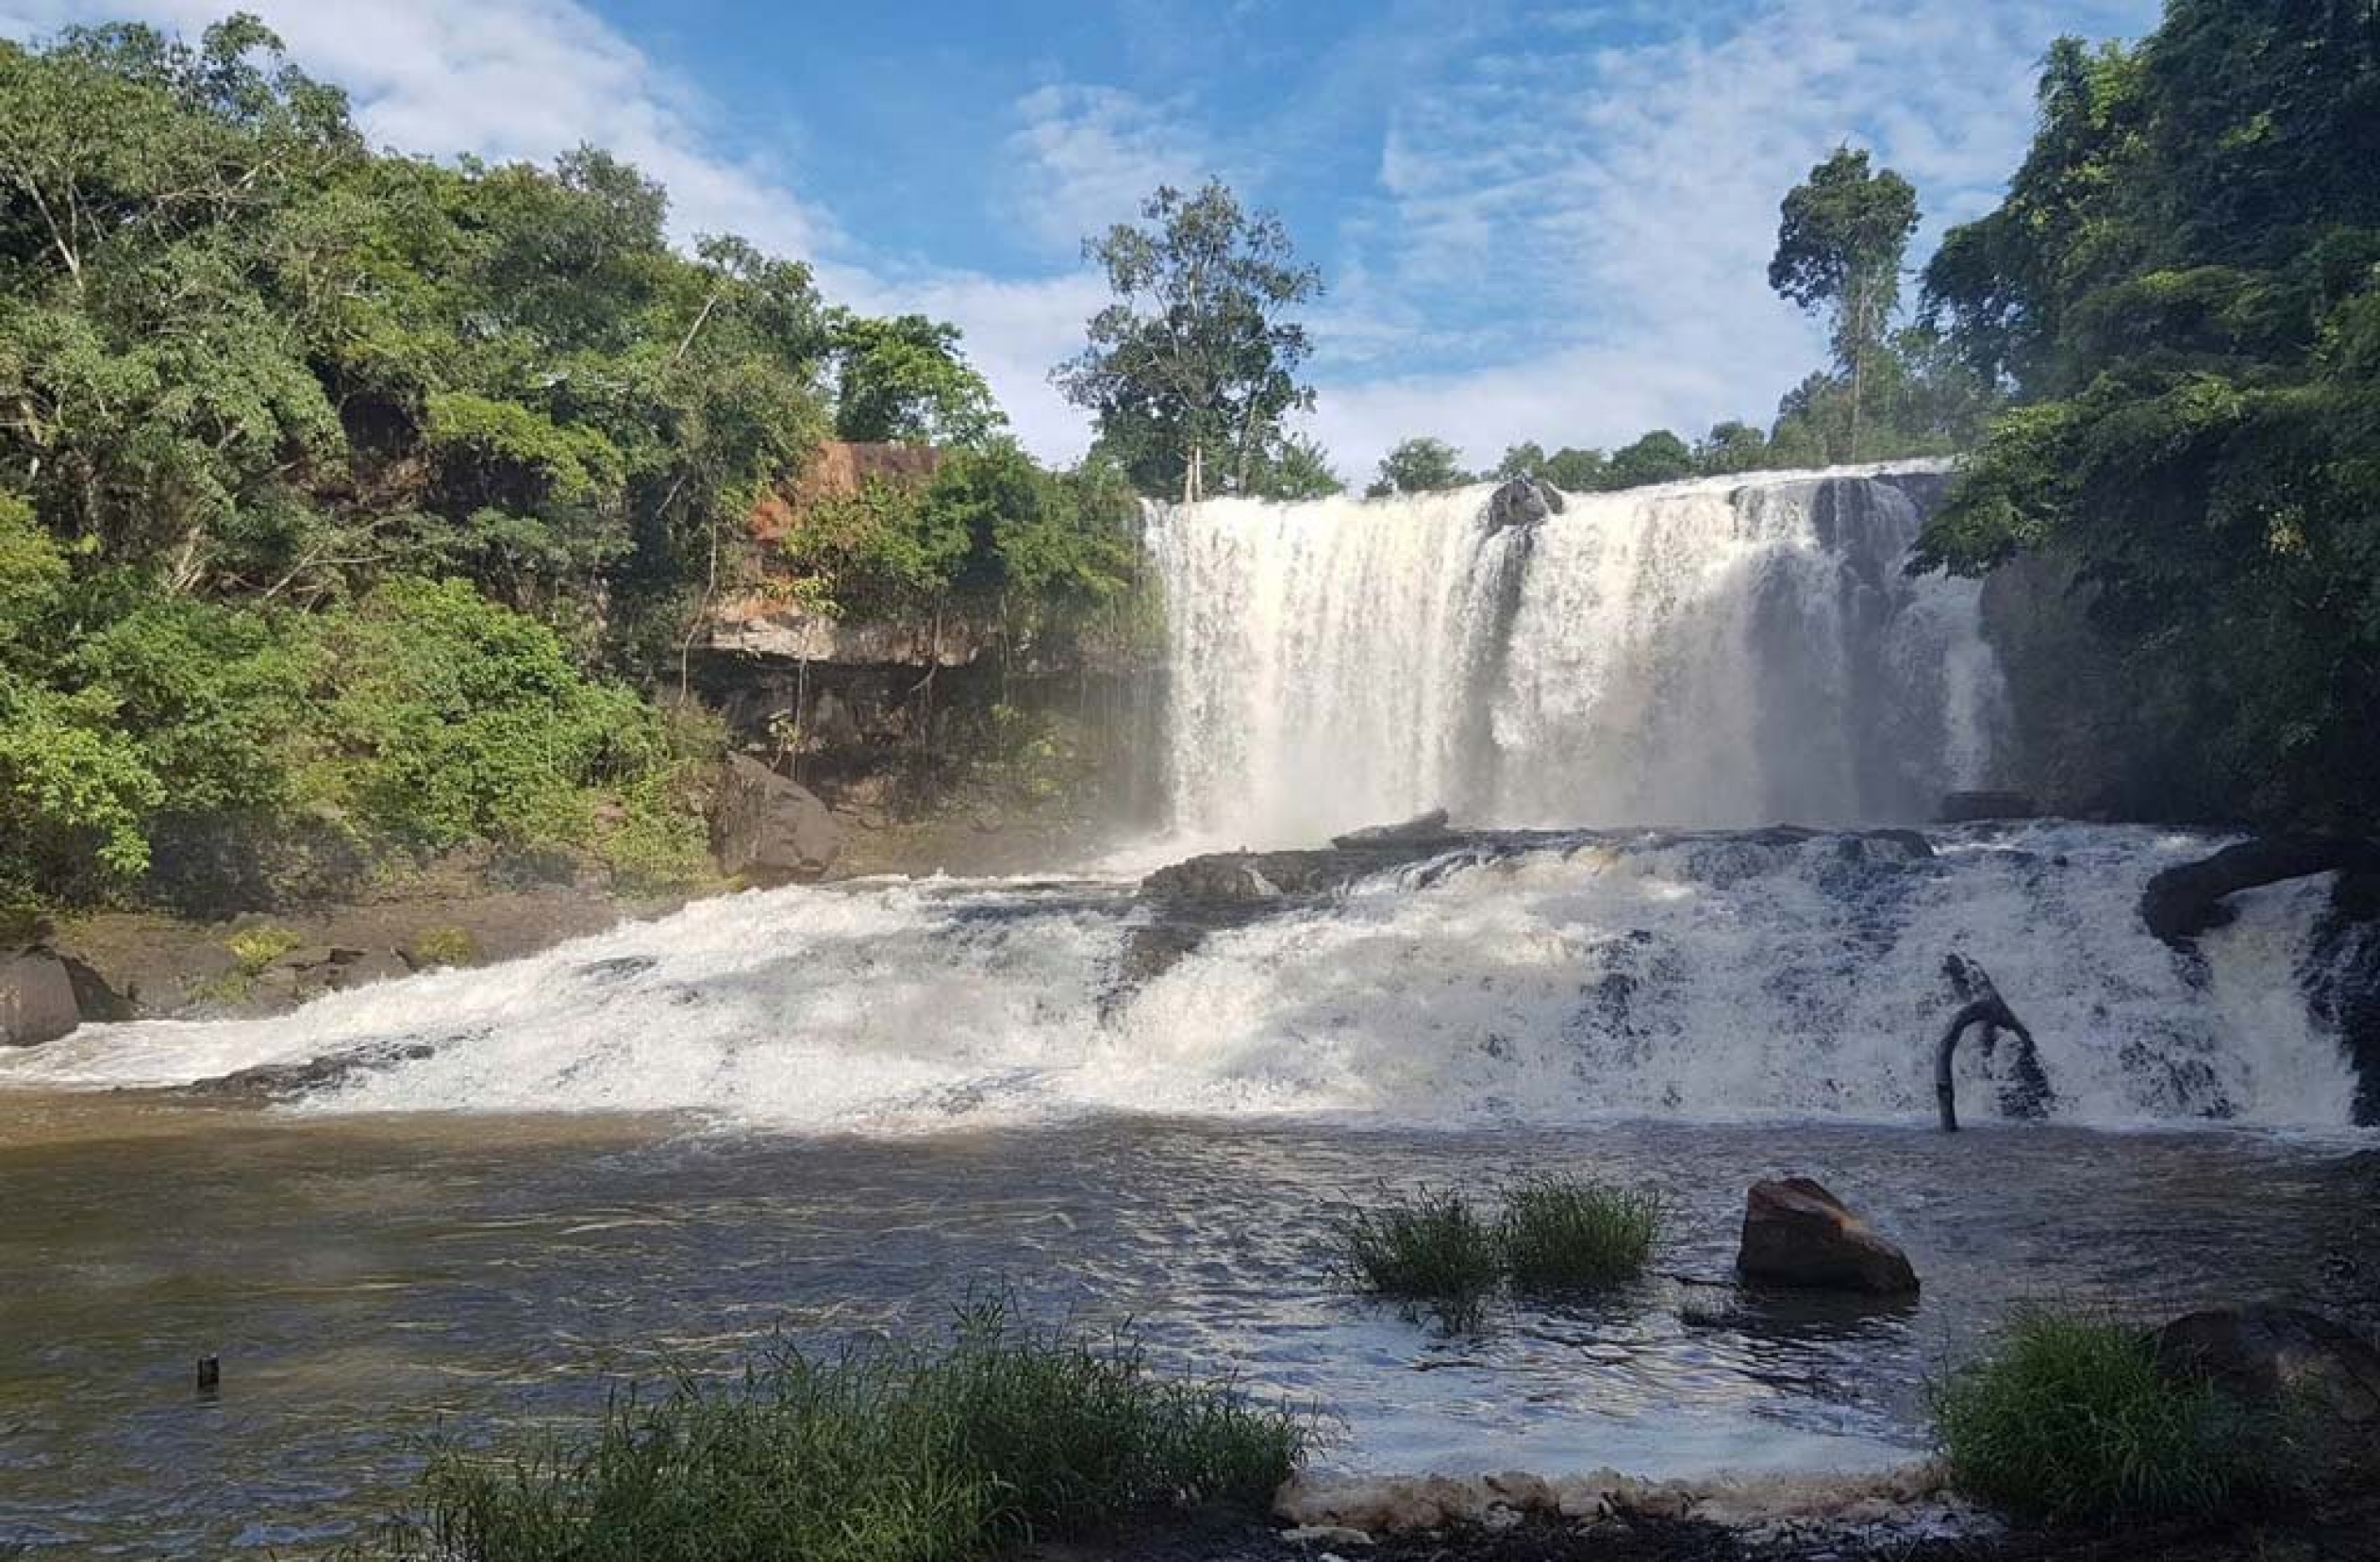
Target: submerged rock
37,997
1796,1233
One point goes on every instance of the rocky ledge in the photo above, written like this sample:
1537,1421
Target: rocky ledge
1225,890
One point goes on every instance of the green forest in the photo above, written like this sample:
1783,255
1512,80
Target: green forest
380,496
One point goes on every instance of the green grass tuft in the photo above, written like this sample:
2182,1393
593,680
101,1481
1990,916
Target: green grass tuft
1558,1235
1433,1247
2069,1420
1004,1433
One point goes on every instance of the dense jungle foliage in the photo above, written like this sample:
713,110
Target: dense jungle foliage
384,493
2182,291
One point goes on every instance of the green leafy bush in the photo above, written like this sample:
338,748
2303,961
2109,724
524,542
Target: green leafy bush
1005,1432
447,718
1561,1234
209,694
2070,1419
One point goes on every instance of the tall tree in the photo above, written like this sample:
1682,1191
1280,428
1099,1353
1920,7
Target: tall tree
1194,367
1842,236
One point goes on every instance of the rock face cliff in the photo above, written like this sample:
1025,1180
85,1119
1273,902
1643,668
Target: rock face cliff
947,711
2091,735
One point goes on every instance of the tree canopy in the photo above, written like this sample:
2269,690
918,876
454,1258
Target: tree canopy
1191,371
278,413
1842,236
2182,289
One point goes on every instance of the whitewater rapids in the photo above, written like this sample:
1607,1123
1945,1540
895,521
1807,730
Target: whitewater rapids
1705,978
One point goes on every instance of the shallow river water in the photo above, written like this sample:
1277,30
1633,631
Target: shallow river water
365,1278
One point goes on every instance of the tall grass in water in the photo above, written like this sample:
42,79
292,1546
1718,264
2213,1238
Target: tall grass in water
1563,1236
2070,1419
1433,1248
891,1454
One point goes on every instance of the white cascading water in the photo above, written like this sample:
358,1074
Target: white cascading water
1710,654
1726,652
1711,977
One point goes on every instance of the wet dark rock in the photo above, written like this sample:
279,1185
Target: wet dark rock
2181,903
1256,878
1969,807
1797,1234
308,972
770,830
37,997
2342,986
290,1081
1422,829
618,968
1522,502
96,1001
1911,844
2286,1357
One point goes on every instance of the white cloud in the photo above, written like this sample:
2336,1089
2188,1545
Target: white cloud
1086,155
1603,216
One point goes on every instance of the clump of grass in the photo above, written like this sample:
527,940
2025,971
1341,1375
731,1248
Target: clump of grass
2070,1419
1433,1246
255,948
1559,1235
446,946
1003,1433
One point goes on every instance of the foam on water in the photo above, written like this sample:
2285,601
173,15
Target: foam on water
1704,977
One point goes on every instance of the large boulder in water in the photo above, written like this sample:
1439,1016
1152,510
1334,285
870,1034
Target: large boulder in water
1795,1232
770,830
37,997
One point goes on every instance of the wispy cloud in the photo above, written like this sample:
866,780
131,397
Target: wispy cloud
1086,155
1596,220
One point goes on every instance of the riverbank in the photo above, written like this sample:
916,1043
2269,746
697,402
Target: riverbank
2345,1528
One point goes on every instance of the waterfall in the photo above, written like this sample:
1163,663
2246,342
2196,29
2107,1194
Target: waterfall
1705,976
1724,652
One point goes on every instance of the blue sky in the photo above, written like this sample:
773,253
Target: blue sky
1536,221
